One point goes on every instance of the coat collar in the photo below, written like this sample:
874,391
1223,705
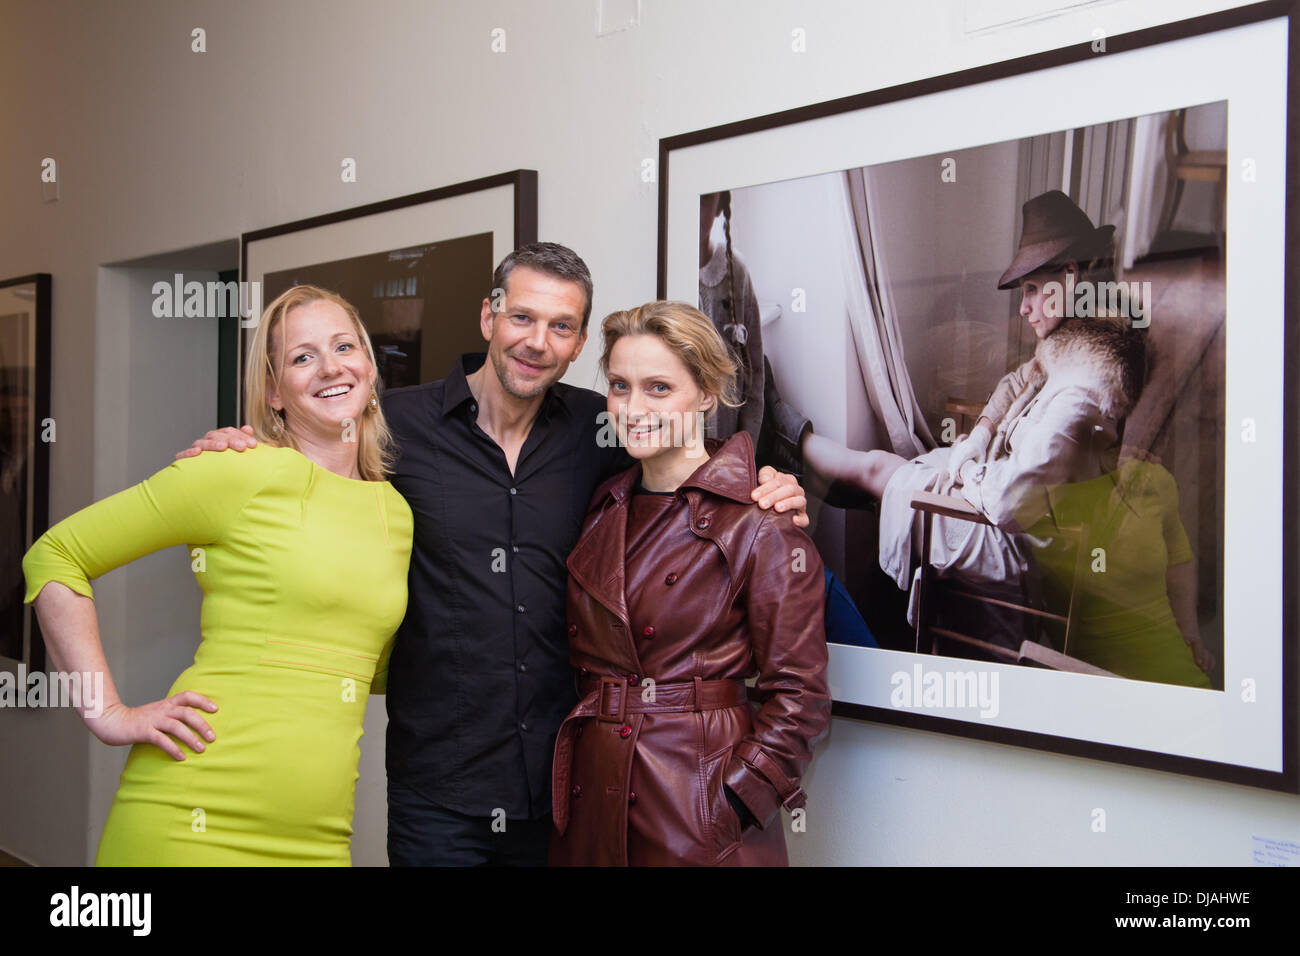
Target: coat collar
1104,355
597,561
728,472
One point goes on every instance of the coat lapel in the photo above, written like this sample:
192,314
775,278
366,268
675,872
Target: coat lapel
596,562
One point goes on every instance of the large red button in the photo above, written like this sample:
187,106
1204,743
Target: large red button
633,679
631,798
649,630
671,579
625,731
573,629
702,522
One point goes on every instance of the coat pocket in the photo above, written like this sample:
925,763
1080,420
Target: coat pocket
722,828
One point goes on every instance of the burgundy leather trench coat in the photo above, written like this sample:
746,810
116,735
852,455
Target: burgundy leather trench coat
719,590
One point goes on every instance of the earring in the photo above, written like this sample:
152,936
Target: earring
277,423
374,401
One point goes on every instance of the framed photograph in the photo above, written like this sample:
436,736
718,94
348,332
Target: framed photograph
25,436
414,267
1027,334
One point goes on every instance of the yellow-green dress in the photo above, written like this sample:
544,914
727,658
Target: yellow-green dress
303,574
1125,622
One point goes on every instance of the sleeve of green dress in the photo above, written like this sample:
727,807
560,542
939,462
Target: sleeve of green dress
192,501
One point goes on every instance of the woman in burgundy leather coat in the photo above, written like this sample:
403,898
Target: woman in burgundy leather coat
680,589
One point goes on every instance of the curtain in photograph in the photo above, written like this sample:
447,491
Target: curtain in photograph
1147,176
874,324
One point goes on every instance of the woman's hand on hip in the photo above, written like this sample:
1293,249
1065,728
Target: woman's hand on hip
157,723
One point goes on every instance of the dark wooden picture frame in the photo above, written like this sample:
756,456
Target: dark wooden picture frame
673,282
37,392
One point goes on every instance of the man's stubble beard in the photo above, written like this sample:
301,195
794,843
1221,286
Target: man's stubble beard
500,362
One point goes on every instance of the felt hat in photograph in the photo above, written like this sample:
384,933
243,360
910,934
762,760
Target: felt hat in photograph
1055,230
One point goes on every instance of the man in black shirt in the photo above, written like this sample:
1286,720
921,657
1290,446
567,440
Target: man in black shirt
498,462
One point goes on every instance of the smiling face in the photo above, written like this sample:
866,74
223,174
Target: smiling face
653,400
537,332
325,374
1041,304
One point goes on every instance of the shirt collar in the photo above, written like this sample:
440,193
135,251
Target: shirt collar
457,391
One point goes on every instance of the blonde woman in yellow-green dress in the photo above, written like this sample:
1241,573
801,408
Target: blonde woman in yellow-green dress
252,757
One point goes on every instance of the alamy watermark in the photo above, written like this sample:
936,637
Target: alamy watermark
672,429
1084,300
208,300
82,690
946,690
75,908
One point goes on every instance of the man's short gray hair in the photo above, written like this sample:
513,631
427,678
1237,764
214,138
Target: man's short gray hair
549,258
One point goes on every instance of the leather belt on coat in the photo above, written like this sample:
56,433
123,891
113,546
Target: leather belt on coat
611,699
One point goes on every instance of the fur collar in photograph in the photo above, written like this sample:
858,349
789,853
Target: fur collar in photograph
1105,355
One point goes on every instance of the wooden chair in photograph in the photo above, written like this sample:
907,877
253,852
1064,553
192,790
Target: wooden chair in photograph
1191,165
965,411
931,587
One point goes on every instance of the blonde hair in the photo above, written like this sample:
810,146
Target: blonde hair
375,451
690,334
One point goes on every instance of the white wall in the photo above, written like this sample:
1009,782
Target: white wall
162,149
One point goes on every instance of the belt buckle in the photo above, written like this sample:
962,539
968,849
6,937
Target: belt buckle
620,717
796,800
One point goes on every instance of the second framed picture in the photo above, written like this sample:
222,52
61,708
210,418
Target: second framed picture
26,432
1021,331
416,267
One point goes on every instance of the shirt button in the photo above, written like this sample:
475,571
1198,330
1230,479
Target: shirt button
579,731
702,523
519,608
649,630
584,673
514,548
523,725
522,667
514,491
473,407
631,798
573,629
577,789
671,579
625,731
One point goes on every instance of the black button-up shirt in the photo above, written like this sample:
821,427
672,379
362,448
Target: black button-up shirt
479,680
